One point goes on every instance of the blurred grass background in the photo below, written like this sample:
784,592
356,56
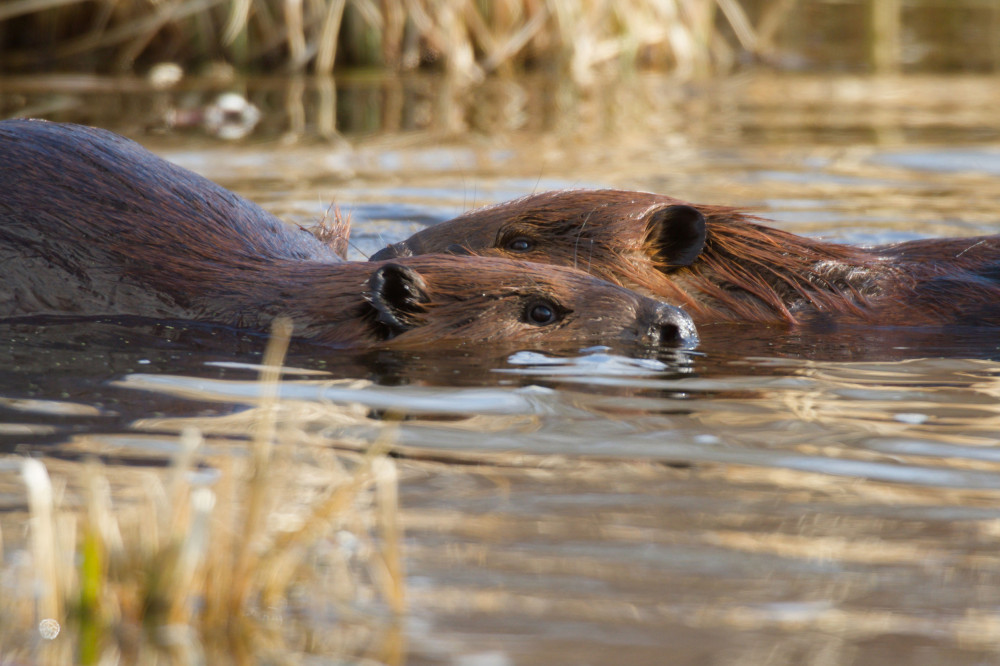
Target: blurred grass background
474,38
469,38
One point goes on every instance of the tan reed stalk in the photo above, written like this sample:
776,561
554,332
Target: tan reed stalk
260,478
44,544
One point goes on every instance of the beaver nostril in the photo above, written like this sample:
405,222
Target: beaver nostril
670,334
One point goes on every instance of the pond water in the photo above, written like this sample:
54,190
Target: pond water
769,497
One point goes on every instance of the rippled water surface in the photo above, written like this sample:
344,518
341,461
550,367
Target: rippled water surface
770,497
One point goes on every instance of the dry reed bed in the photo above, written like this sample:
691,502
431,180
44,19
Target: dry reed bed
287,549
469,38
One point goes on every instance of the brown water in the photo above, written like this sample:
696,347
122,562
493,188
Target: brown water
766,498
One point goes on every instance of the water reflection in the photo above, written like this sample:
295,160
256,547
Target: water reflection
914,421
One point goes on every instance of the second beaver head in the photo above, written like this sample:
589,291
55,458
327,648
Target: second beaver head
438,300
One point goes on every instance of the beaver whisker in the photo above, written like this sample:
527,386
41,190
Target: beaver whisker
576,243
969,248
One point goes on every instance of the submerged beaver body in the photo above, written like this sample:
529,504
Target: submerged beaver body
722,264
91,224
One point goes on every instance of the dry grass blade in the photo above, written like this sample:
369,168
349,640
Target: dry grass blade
295,33
261,458
511,44
741,24
239,14
23,7
328,36
335,230
387,483
43,539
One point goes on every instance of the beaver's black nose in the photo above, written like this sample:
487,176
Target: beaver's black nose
671,326
394,251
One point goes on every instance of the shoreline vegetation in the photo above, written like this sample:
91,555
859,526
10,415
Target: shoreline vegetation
469,39
221,556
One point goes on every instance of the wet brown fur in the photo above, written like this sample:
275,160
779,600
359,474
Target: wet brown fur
92,224
743,271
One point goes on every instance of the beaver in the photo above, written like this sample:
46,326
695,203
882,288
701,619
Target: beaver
723,264
94,225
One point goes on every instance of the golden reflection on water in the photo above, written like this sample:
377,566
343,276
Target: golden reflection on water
591,540
954,402
815,565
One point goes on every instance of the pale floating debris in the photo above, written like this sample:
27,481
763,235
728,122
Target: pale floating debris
48,628
231,116
165,75
593,360
60,407
535,389
911,418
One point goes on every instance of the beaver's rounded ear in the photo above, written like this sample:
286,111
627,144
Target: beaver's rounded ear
676,234
397,293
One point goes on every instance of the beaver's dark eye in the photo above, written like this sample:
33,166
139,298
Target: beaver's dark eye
542,313
519,244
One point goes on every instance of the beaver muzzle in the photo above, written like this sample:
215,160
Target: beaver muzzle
671,327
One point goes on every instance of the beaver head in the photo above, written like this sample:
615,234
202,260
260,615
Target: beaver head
440,300
603,232
717,262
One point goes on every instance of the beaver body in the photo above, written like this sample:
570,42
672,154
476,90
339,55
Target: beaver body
92,224
722,264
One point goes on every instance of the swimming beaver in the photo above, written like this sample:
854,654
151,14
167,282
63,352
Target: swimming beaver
722,264
92,224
